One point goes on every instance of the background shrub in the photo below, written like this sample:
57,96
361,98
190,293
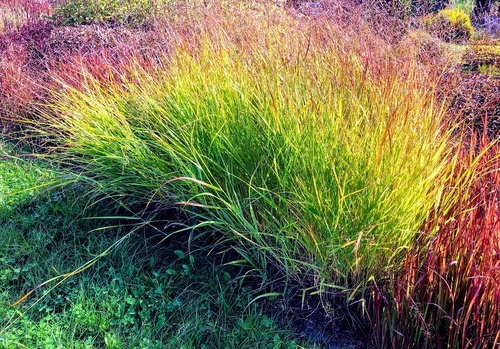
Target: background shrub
451,25
109,12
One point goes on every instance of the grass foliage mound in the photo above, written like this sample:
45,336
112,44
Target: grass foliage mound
327,162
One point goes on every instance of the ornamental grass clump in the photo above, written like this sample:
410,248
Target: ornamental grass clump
320,151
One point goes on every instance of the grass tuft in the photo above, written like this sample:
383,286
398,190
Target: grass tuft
328,162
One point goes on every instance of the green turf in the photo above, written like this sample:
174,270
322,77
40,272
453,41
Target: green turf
141,295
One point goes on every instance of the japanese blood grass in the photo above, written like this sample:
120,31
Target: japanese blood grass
447,295
328,162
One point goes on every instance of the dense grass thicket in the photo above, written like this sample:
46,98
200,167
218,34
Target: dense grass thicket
327,150
324,160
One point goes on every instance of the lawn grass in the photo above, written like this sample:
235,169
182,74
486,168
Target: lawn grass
142,295
18,177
